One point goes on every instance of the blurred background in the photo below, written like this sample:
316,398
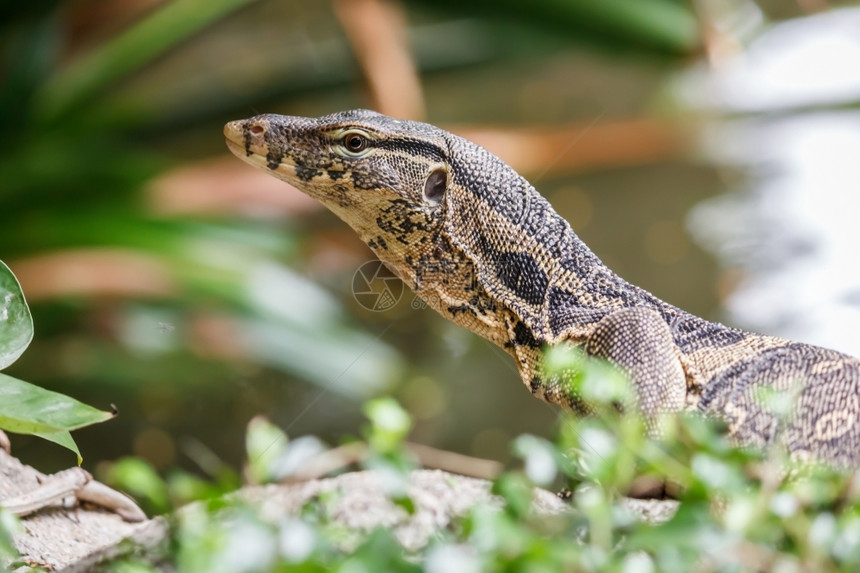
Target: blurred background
707,150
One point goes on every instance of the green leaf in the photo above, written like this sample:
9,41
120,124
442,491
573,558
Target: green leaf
64,439
265,443
138,477
16,324
28,409
540,457
10,526
390,424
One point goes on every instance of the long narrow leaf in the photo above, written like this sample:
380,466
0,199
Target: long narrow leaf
138,45
656,25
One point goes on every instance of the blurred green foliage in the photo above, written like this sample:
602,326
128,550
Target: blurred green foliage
73,168
738,509
71,176
10,525
651,26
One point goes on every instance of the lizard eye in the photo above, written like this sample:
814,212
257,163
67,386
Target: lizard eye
354,142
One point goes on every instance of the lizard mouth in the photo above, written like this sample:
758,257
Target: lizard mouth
237,149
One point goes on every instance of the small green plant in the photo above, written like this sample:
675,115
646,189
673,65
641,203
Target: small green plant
25,408
738,509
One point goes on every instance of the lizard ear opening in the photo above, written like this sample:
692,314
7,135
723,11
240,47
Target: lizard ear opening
435,185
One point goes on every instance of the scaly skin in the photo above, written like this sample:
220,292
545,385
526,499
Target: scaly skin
487,251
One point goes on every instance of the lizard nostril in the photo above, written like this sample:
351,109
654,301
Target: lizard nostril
257,129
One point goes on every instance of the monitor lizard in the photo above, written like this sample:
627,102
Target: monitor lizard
481,246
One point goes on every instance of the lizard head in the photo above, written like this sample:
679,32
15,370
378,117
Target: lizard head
457,224
347,158
385,177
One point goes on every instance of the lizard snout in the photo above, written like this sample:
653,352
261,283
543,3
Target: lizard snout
233,130
246,136
237,131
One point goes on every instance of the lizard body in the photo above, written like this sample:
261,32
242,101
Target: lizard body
481,246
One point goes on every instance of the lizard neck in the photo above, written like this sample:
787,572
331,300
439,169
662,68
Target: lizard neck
527,257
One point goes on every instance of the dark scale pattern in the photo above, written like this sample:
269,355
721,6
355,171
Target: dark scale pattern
400,221
273,160
306,174
823,421
565,313
489,253
549,229
415,147
692,333
522,275
523,336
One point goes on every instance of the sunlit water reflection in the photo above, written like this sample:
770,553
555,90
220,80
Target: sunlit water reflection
793,226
